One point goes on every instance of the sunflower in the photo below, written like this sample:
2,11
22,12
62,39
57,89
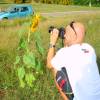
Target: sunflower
34,25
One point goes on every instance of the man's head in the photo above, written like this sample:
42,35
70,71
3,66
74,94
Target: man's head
74,33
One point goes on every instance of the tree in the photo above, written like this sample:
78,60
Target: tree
22,1
86,2
64,2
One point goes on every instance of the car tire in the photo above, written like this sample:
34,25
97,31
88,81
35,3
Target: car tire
33,12
5,18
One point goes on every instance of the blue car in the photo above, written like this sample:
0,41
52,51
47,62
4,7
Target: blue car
17,11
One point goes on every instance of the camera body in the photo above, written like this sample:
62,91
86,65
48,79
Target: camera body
61,31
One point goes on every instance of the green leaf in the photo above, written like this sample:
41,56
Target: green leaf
22,84
38,43
22,44
39,65
17,60
29,79
29,60
39,48
37,36
21,73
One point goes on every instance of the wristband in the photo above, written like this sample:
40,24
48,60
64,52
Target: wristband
52,46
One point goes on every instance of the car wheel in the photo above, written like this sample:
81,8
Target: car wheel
5,18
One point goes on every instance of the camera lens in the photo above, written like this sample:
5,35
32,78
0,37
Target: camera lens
61,32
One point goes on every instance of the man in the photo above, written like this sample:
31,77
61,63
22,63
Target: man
79,60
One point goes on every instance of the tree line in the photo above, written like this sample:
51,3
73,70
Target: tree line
63,2
86,2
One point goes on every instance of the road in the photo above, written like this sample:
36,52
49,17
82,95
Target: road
57,14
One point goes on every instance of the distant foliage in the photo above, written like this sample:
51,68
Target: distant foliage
64,2
15,1
86,2
22,1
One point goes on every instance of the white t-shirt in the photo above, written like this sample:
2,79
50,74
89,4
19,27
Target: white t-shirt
80,63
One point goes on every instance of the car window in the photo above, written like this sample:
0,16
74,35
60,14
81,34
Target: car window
14,10
23,9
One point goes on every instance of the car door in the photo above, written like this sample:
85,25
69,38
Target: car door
23,11
14,13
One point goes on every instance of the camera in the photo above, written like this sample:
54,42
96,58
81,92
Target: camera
61,31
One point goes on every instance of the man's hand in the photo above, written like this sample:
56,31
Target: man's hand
54,36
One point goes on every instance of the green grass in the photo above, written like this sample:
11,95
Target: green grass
44,88
55,8
39,7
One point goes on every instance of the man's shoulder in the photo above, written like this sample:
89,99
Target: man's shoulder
88,46
62,50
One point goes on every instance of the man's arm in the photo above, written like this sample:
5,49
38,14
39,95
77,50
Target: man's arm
51,53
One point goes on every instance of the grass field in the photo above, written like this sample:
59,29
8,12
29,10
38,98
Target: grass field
39,7
10,32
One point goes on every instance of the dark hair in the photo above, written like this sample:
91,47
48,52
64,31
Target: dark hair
71,25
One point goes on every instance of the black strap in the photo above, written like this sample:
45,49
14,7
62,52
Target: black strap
63,82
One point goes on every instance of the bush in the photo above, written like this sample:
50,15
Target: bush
86,2
64,2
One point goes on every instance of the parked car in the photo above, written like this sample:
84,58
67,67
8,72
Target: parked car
17,11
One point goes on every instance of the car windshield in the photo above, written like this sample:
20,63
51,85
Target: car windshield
11,9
